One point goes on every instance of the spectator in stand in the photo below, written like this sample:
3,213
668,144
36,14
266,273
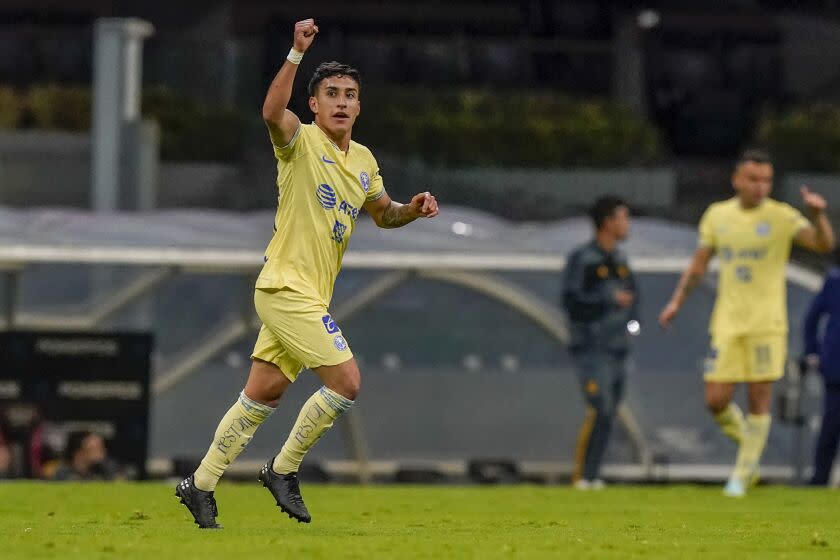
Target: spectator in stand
86,458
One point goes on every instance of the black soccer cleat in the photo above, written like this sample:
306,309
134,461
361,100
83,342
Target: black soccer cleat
202,504
286,492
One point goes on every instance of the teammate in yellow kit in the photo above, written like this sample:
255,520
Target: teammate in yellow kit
324,180
751,234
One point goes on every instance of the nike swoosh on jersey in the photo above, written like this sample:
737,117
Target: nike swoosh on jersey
325,160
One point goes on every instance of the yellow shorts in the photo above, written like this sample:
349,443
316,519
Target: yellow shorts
297,332
747,358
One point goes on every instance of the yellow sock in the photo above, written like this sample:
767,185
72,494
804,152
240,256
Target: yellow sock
234,433
731,422
315,418
756,429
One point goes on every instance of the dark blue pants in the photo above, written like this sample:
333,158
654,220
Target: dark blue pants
829,436
602,380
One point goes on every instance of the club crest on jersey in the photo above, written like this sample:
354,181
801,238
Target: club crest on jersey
326,196
364,178
763,229
329,324
338,232
340,343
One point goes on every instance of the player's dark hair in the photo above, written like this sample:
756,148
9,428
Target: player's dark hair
753,155
75,440
604,208
327,70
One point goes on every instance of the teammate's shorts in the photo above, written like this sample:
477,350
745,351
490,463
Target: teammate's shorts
747,358
297,332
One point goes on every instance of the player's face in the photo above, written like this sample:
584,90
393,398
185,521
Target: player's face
619,223
93,449
336,104
753,182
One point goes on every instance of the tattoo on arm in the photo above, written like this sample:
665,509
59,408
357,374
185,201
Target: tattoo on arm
395,216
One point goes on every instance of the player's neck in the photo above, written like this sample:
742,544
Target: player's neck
606,241
749,205
341,141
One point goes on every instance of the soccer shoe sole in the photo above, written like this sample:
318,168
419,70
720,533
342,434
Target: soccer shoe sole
281,506
184,501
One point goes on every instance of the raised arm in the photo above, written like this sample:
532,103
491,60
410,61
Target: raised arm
282,123
389,214
690,279
819,236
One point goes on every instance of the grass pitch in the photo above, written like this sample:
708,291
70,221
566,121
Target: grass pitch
145,521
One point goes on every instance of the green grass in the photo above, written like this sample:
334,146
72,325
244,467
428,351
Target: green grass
127,521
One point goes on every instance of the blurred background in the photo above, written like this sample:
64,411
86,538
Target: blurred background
137,187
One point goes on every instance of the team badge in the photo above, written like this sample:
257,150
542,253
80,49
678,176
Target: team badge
763,229
603,272
364,178
326,196
340,343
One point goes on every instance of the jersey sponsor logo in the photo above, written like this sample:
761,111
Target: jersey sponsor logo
364,178
326,196
329,324
748,253
338,232
325,160
340,343
763,229
348,209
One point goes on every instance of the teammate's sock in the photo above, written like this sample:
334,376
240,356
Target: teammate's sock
731,422
315,418
756,429
234,432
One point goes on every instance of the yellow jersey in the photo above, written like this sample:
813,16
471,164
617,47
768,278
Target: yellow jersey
753,247
321,192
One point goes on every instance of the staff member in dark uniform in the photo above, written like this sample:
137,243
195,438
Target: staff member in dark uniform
824,353
601,301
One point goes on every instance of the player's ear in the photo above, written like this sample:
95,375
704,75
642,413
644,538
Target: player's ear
313,104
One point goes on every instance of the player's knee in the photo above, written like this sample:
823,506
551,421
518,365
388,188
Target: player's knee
716,403
600,405
348,386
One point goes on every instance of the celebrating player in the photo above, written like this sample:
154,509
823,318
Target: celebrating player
751,234
324,179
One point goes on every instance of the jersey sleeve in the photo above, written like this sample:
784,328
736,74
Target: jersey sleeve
376,189
794,220
295,145
707,236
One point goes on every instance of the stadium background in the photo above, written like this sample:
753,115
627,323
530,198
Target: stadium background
515,114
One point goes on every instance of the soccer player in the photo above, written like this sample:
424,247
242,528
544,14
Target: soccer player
751,234
600,299
324,179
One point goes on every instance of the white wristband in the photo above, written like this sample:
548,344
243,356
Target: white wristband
294,57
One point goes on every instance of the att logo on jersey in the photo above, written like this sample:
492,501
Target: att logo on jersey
348,209
326,196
